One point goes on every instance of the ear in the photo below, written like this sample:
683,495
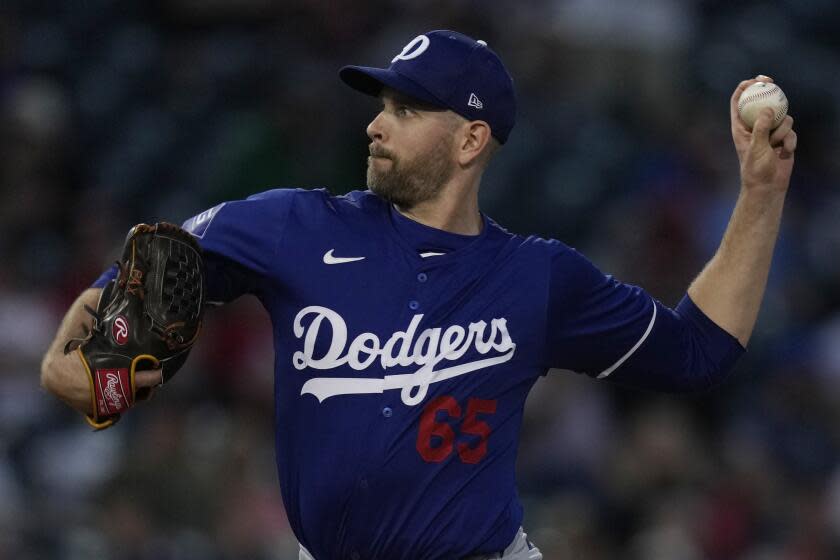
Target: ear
473,139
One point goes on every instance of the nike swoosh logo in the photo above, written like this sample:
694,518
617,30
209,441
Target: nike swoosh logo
330,259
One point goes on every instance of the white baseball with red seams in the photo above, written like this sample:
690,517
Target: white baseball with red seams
759,96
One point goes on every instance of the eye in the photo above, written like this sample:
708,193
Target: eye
402,110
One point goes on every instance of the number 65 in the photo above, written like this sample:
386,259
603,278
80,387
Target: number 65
432,431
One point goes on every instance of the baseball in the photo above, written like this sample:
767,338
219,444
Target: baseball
757,97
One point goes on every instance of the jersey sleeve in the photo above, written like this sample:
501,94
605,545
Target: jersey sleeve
109,274
225,279
608,329
240,240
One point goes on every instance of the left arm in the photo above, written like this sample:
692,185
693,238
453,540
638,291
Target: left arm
731,287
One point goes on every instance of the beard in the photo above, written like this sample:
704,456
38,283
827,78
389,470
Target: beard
407,183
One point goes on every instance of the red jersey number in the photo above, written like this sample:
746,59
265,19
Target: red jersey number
436,437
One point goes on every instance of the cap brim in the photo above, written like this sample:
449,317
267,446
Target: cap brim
371,81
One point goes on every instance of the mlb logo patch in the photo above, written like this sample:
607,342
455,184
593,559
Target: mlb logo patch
197,225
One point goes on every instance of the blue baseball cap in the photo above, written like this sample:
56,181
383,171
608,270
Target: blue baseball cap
449,70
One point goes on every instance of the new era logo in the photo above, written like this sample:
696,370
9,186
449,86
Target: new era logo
475,102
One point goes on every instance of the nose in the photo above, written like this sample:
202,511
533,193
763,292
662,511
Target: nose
375,130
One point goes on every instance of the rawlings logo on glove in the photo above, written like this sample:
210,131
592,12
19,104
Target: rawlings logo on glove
147,318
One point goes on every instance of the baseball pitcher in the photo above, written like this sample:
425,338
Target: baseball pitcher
409,326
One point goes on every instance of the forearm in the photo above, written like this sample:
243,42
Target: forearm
731,287
64,375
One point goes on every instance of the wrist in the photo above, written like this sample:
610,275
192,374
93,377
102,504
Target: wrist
763,191
64,376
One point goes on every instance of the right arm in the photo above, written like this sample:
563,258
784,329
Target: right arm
608,329
62,374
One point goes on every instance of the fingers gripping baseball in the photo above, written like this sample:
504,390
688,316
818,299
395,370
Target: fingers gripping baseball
760,137
788,145
765,152
778,135
783,139
746,104
768,163
740,132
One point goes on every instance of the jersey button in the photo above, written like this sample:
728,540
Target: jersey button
422,277
414,305
363,484
354,555
387,412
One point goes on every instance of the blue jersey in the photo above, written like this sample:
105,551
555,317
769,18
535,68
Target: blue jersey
404,355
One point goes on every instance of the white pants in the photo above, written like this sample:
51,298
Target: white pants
519,549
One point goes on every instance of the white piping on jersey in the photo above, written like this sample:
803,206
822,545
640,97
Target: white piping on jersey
630,352
430,254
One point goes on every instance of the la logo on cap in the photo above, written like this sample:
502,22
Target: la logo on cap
448,70
419,44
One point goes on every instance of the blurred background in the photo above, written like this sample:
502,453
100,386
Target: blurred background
115,112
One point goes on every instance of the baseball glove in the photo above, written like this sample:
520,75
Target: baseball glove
148,317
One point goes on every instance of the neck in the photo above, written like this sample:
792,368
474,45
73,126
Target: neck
455,210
